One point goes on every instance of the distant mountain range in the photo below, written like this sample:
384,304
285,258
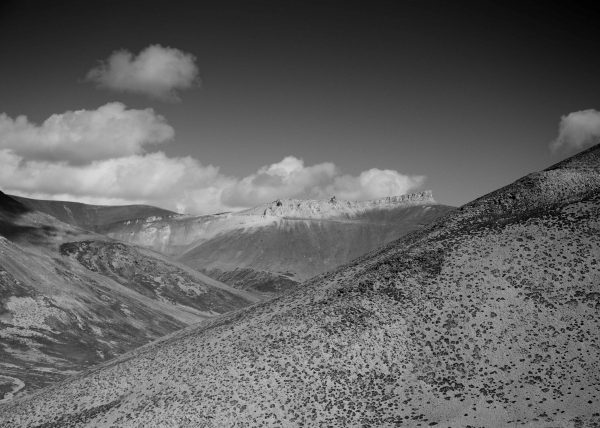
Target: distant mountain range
276,246
487,317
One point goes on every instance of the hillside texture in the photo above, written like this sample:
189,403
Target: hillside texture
487,318
70,298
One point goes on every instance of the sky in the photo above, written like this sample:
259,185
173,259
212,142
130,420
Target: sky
203,106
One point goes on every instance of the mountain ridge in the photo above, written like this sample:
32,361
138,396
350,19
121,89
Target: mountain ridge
333,207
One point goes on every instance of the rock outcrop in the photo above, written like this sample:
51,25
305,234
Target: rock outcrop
336,208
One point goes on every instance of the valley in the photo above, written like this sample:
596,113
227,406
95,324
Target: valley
72,298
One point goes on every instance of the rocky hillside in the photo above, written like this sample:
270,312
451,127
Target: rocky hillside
70,298
489,317
274,247
91,217
152,276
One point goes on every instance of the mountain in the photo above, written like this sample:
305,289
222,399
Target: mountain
489,317
276,246
70,298
91,217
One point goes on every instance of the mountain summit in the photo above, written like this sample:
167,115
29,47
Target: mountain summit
487,317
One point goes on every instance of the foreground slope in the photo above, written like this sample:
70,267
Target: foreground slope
70,298
488,317
274,247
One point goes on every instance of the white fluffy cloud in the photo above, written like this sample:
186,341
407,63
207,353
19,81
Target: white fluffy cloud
290,178
99,156
85,135
185,185
577,131
156,71
181,184
374,183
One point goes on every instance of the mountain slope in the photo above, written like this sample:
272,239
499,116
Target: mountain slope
289,251
276,246
91,217
70,298
489,317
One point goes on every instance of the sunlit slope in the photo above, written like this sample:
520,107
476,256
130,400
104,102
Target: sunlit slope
70,298
488,318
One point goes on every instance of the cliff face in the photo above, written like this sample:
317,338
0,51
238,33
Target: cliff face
331,208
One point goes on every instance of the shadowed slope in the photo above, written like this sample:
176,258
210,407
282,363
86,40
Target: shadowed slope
488,317
91,217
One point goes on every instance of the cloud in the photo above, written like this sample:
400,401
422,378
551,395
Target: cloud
181,184
291,179
85,135
374,183
577,131
102,157
156,71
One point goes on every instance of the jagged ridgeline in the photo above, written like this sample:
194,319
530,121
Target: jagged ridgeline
275,246
336,208
489,317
